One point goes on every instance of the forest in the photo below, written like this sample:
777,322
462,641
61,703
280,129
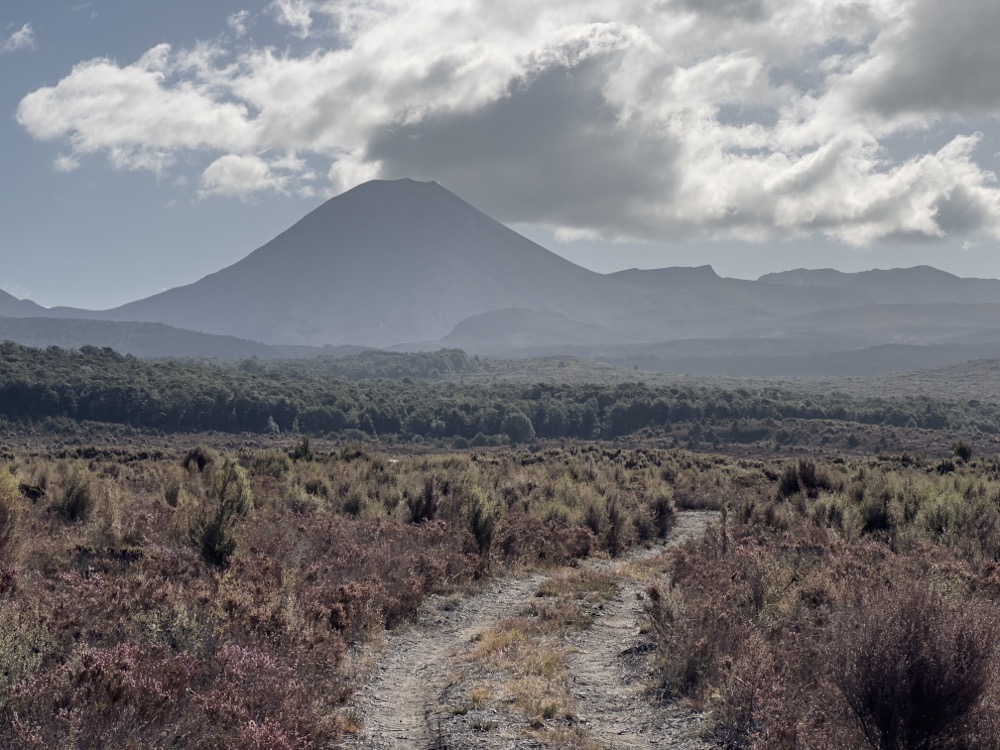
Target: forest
394,397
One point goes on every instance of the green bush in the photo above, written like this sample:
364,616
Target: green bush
76,500
482,521
231,499
272,464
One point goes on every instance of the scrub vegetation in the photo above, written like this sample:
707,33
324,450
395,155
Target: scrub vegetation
405,399
853,605
219,564
210,600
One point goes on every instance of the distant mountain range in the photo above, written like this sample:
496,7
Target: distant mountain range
411,266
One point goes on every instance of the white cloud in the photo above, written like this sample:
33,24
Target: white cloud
239,176
350,170
23,38
133,159
101,106
66,163
238,23
296,14
600,118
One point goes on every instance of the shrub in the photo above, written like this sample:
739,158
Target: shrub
482,521
424,505
232,500
318,486
172,491
115,521
664,514
803,476
200,457
615,537
133,696
789,483
272,464
302,451
913,670
76,500
962,450
11,517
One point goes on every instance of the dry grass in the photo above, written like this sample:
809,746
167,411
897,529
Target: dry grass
526,656
588,585
144,594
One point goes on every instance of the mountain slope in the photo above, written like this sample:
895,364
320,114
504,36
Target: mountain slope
12,307
383,263
138,339
920,284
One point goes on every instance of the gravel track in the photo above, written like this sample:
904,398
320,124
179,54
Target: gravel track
608,667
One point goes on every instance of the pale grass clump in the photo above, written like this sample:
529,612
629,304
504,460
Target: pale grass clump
588,585
76,497
12,511
115,521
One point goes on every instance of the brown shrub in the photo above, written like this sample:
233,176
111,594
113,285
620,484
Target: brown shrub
914,670
132,696
77,497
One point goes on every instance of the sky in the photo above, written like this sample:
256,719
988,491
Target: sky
145,144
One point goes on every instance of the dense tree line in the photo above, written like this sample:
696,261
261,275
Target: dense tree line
103,386
377,364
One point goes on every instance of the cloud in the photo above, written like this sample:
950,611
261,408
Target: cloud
101,106
296,14
239,176
23,38
238,23
941,61
619,119
66,163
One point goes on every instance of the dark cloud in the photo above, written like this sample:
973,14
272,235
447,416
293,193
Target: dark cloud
959,213
745,10
945,61
551,151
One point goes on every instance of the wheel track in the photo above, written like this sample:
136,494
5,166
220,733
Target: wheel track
609,669
397,702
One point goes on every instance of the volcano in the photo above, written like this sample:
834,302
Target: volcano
384,263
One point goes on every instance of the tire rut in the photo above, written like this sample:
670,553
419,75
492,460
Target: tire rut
609,668
397,702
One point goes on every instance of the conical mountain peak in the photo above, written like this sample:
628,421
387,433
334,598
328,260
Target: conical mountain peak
388,261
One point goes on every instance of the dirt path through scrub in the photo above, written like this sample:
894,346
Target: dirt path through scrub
420,663
396,704
609,668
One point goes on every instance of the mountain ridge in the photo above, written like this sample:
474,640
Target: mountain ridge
412,266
